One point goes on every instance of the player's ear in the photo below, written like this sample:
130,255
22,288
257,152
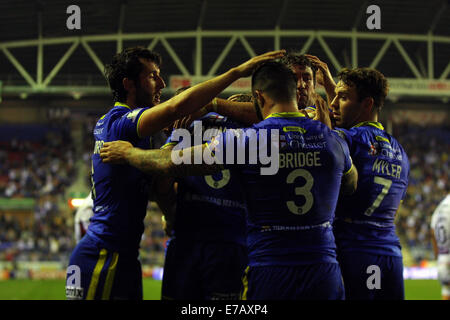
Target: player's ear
258,96
128,84
368,104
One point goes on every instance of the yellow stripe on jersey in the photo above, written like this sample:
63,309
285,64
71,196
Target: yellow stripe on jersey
295,129
285,115
346,173
168,144
110,277
137,126
370,123
96,275
378,138
245,283
120,104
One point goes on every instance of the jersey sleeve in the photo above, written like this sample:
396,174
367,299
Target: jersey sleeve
126,126
344,134
348,163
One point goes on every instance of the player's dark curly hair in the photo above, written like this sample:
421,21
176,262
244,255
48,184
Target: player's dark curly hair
295,58
126,64
275,79
368,82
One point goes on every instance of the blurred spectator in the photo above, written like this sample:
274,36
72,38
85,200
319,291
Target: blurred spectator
428,149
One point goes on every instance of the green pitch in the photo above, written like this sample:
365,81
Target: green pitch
54,289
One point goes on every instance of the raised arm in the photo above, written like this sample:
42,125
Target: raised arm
193,99
243,112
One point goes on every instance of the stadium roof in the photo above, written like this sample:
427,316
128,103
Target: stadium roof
40,52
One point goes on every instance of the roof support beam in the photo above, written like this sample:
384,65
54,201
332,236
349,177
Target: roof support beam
227,34
93,56
120,26
60,64
222,56
354,49
308,44
175,58
430,57
445,73
407,59
19,68
247,46
381,53
153,44
329,53
40,53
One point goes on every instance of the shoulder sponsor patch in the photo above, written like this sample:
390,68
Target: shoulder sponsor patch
133,114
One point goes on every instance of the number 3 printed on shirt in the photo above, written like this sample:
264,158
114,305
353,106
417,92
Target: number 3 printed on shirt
304,191
219,183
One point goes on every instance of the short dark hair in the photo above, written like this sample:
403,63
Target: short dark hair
126,64
276,80
295,58
368,82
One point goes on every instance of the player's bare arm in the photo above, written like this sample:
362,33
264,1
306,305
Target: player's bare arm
166,198
349,181
244,112
157,162
193,99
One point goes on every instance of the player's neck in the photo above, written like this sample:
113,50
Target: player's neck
370,117
131,102
281,107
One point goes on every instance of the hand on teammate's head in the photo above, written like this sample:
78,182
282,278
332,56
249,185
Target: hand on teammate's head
246,68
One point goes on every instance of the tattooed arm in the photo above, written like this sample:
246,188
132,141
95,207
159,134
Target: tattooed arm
158,162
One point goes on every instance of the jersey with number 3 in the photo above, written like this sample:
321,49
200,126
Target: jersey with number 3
365,220
289,212
120,192
210,208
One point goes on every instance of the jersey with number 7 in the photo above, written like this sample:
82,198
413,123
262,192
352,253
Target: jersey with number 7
365,220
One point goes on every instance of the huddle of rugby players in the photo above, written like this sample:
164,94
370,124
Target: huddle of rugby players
311,226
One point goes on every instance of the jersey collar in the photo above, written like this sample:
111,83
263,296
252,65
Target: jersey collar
293,114
370,123
120,104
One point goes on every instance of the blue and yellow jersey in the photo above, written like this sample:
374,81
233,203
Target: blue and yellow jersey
290,213
120,192
365,220
210,208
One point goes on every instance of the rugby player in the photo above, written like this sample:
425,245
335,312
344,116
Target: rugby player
105,264
205,218
440,238
290,241
308,69
369,250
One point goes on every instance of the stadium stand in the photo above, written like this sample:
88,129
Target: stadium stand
428,148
